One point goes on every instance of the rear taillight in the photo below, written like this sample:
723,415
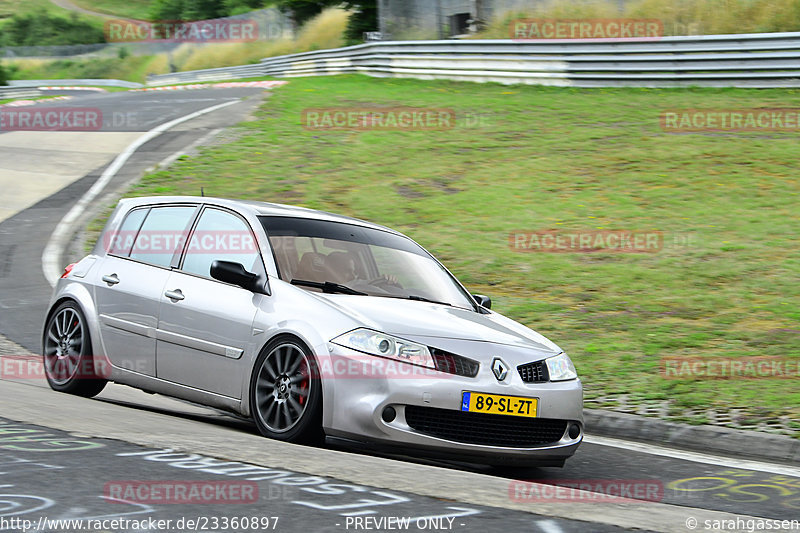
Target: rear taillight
68,269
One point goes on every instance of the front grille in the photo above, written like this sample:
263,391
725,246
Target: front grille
485,429
535,372
454,364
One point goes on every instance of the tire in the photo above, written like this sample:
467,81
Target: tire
286,393
68,357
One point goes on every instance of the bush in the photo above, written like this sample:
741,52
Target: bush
3,76
42,29
200,9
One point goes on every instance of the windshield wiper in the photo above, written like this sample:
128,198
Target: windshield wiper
328,287
413,297
423,299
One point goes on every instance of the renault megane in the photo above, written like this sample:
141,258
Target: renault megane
315,326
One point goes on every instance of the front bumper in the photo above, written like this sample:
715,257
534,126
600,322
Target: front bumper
355,405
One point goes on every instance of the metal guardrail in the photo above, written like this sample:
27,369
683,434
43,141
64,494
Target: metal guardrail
18,92
211,74
748,60
67,50
72,83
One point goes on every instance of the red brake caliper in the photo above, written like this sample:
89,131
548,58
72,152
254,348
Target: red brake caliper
303,385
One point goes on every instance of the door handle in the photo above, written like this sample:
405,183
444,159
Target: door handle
175,295
111,280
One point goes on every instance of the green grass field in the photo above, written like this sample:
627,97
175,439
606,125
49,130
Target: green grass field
135,9
725,284
121,8
10,7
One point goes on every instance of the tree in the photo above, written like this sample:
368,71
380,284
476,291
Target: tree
237,7
203,10
364,15
3,76
166,10
363,19
188,10
303,10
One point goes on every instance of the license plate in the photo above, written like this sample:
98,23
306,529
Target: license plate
497,404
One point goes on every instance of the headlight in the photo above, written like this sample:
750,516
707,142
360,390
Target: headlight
382,345
560,368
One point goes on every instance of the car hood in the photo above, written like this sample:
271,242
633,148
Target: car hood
415,319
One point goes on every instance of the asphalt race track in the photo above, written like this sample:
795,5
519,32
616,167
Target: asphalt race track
71,162
280,503
65,457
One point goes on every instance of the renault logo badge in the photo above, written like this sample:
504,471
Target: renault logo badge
499,369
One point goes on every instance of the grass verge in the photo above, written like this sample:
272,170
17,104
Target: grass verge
132,68
537,158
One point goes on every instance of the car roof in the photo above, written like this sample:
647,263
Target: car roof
254,208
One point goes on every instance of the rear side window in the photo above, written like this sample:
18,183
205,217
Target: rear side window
121,241
162,234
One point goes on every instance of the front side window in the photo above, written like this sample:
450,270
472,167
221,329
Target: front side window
368,261
220,235
162,234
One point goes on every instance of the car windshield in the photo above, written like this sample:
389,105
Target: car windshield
345,258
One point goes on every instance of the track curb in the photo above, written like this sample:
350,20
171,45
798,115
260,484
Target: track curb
704,438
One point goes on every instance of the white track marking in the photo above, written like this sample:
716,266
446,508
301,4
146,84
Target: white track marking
549,526
694,456
58,240
167,161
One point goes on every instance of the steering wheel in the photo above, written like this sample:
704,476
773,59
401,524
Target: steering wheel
384,282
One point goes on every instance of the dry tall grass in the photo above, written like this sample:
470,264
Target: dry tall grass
326,30
680,17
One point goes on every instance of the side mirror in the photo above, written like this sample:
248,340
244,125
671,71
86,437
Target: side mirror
235,274
483,301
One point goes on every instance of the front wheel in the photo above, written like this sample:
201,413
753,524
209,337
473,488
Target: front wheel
68,360
286,393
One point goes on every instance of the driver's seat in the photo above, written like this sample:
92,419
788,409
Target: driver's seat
342,266
312,267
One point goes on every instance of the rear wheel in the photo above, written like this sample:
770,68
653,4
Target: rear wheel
286,393
68,359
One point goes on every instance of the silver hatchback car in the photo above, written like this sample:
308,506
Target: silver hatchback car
315,326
